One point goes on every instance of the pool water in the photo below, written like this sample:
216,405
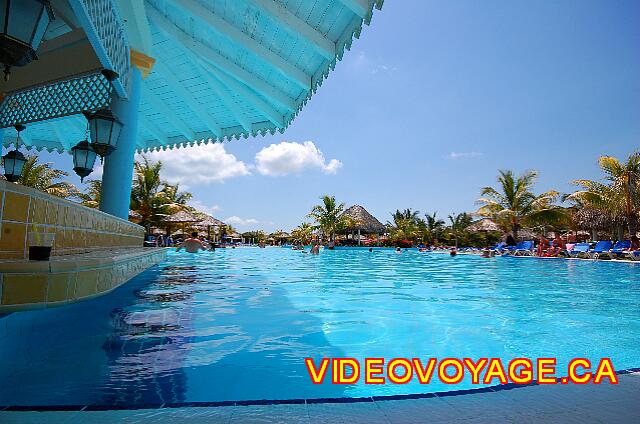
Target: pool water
236,324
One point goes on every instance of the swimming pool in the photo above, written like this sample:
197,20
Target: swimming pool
236,324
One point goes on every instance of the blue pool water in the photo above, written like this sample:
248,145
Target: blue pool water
236,324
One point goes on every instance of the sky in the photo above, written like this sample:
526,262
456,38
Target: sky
430,102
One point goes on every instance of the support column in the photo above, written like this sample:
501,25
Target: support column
115,197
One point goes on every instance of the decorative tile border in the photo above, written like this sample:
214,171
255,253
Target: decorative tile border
296,401
76,228
26,285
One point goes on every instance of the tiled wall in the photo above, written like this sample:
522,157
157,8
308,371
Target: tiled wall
67,279
77,228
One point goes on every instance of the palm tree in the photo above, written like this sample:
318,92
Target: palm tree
91,195
513,204
45,178
153,198
434,225
459,223
328,216
302,233
174,198
405,225
145,193
621,196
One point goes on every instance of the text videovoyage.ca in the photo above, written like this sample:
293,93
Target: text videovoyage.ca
485,371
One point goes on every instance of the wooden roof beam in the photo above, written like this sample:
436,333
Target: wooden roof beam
220,62
260,105
212,21
171,79
297,27
359,7
168,114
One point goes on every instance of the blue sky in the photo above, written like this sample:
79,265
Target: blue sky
430,102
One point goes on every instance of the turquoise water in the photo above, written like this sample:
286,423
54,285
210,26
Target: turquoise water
237,323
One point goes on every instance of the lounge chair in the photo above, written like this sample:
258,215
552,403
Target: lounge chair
602,248
499,247
633,255
619,249
524,248
579,250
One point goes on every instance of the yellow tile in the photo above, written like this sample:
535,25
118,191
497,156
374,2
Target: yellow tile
24,288
13,237
58,287
61,213
16,207
86,284
52,213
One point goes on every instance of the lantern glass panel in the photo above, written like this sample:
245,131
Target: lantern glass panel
115,133
26,21
13,163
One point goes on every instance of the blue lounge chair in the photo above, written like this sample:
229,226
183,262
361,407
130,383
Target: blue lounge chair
579,250
524,248
620,248
499,247
602,248
633,255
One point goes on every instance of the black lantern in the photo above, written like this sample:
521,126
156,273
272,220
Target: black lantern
83,159
22,25
104,129
13,162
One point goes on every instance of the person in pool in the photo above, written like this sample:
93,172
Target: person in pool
315,249
193,244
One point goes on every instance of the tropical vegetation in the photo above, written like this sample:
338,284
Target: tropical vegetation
618,196
513,204
328,217
44,177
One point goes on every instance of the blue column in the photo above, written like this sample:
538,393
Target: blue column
115,196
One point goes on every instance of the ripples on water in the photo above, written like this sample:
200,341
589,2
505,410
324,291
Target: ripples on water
237,323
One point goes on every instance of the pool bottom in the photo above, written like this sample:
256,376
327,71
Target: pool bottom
487,389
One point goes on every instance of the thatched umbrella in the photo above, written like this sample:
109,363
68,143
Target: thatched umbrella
182,217
281,235
363,221
483,225
207,222
595,220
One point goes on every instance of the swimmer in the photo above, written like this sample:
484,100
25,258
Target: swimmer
370,249
315,249
453,251
192,244
398,250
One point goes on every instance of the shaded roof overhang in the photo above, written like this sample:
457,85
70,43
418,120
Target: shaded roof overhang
223,70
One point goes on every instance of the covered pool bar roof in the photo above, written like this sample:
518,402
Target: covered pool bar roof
214,70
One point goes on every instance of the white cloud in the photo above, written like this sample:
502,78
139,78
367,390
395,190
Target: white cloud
241,222
203,207
247,223
96,174
200,164
458,155
286,158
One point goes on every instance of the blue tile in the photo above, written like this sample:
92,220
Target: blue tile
464,392
42,408
404,397
340,400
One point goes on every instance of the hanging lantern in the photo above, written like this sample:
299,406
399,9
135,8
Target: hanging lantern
104,129
83,159
13,162
22,26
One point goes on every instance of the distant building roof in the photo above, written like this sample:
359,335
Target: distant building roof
363,220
